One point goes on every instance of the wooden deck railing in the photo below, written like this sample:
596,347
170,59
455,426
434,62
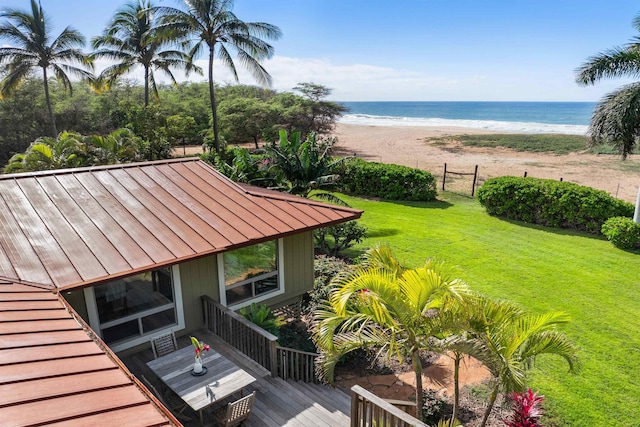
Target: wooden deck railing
250,339
258,344
296,365
369,410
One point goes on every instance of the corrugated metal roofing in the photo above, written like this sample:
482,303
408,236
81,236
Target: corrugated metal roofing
75,227
53,371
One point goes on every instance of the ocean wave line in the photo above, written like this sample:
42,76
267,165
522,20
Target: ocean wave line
495,125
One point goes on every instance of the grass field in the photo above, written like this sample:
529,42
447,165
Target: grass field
543,270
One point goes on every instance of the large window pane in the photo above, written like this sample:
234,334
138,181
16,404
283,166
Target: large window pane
133,295
159,320
245,263
136,305
250,272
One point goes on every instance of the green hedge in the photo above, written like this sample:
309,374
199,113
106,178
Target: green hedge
623,232
391,182
551,203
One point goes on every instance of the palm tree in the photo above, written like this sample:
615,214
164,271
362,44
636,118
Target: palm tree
218,31
65,151
32,48
132,38
617,117
120,146
507,340
386,306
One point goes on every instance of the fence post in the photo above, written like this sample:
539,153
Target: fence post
475,179
444,177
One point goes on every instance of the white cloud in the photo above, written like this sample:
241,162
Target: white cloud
363,82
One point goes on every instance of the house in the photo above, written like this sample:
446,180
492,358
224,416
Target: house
117,254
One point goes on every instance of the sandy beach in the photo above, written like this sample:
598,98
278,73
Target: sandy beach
414,147
411,146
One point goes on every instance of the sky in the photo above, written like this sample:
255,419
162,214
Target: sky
414,50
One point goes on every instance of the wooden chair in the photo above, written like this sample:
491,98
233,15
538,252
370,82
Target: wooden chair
179,415
164,344
236,412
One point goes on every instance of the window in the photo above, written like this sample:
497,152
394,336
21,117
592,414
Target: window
251,272
135,307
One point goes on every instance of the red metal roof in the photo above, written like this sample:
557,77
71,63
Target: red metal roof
54,371
74,227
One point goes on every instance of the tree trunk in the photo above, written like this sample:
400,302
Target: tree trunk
212,98
255,141
417,368
146,86
456,386
46,95
492,400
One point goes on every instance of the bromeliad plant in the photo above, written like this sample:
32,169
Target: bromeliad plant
199,346
526,409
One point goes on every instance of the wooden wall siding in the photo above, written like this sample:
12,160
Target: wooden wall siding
198,277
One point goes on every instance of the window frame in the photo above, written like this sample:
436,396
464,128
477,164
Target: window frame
94,320
279,272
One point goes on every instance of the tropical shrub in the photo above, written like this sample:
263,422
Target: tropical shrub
391,182
336,238
526,409
623,232
551,203
262,316
325,268
434,407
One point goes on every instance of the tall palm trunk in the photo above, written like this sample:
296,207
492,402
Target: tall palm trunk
456,386
212,98
146,86
492,400
417,368
46,95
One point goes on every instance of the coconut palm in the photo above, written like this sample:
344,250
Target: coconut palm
617,117
507,340
133,38
218,31
385,306
32,48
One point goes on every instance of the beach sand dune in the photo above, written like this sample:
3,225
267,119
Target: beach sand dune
410,146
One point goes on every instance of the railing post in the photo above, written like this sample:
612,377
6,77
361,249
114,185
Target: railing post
355,417
273,355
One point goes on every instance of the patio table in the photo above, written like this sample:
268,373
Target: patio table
222,379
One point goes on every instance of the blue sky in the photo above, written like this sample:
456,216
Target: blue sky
412,50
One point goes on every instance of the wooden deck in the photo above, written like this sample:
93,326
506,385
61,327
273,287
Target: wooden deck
278,402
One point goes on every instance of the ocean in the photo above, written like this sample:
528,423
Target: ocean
511,117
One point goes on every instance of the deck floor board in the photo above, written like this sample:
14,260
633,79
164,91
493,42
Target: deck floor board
278,402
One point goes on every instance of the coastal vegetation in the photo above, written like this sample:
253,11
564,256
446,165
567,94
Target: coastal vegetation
551,203
536,143
179,117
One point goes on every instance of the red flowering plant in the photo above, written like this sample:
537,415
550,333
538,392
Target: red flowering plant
199,346
526,409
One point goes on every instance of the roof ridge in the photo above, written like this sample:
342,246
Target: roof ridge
96,168
278,195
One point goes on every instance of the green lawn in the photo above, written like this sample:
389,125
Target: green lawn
544,270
